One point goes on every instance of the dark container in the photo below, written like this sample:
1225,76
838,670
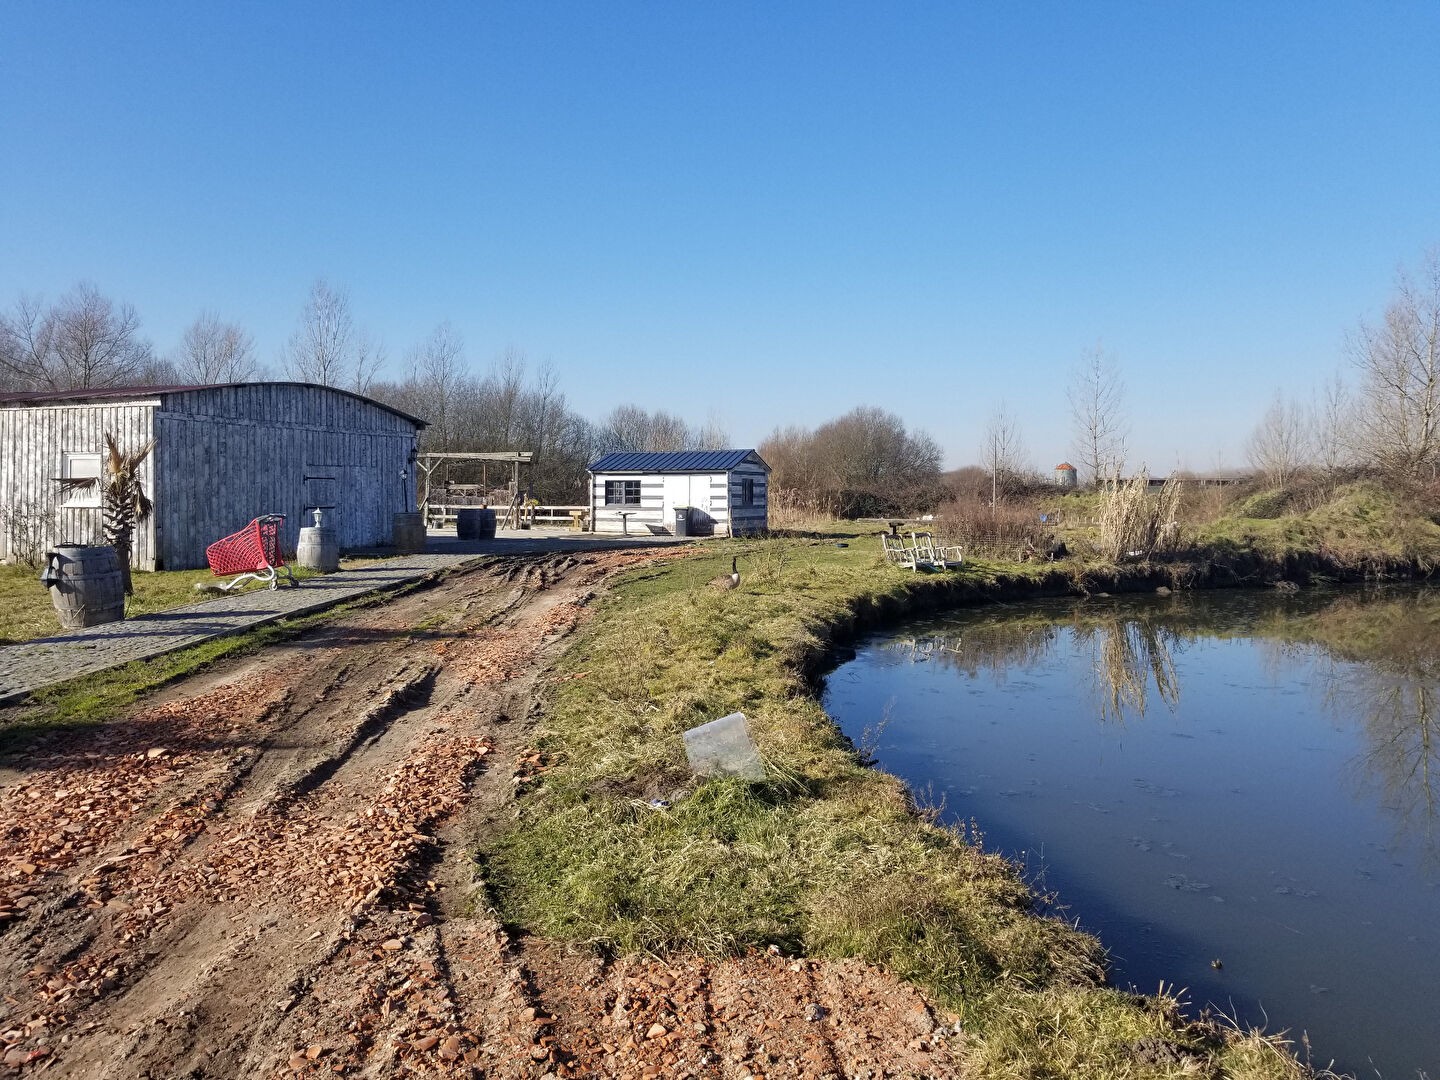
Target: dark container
682,521
476,524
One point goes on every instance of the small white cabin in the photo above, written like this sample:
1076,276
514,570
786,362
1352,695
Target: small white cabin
726,492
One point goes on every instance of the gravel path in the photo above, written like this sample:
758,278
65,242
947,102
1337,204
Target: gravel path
33,665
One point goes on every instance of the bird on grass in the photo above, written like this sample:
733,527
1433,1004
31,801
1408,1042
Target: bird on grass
726,582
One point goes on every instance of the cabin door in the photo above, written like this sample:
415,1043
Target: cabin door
684,491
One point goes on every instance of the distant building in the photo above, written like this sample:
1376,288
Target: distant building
725,491
222,456
1066,475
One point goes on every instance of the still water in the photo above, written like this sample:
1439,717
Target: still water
1252,779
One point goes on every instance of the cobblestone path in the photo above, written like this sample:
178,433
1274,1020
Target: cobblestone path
43,662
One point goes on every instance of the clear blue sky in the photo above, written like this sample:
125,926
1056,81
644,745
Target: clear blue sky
776,210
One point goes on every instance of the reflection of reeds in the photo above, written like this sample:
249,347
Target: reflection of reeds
1132,655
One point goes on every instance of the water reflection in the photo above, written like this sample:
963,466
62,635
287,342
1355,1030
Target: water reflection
1283,816
1131,655
1385,670
1379,658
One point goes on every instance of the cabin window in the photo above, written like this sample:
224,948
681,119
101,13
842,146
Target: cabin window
622,492
77,466
747,492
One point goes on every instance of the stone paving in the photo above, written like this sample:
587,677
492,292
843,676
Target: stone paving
32,665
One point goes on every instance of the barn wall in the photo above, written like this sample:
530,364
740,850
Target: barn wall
229,454
32,440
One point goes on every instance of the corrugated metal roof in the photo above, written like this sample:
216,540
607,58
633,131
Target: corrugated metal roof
107,393
672,461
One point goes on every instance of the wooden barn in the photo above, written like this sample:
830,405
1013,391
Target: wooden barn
223,455
726,492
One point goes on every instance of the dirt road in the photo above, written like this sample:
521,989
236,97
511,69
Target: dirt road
265,871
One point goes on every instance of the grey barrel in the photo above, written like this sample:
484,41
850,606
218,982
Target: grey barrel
409,533
86,585
319,549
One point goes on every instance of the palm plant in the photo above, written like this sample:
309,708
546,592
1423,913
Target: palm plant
123,502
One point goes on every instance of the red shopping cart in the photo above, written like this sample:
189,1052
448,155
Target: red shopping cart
253,553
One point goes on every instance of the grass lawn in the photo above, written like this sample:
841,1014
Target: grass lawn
827,857
26,611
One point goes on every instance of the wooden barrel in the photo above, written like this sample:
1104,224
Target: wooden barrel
476,523
90,589
409,534
319,549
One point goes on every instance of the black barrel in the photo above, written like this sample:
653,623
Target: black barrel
475,524
682,521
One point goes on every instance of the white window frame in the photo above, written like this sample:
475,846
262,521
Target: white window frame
85,499
624,484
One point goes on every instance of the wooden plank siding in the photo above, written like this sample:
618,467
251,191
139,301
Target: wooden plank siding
223,455
33,440
754,518
247,450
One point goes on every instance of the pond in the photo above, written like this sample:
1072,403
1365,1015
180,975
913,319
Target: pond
1239,793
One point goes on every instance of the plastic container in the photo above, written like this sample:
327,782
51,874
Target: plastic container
724,748
682,521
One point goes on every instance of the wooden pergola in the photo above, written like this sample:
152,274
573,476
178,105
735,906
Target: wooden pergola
428,463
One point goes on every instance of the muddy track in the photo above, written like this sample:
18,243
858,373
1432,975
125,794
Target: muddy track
265,871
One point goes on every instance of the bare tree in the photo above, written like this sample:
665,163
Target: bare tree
1097,409
1280,445
436,372
711,435
214,351
1397,423
1333,425
1002,453
326,347
629,427
370,356
84,340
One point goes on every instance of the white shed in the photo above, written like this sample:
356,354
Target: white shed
223,455
726,492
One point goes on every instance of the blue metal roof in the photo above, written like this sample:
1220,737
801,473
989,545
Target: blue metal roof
671,461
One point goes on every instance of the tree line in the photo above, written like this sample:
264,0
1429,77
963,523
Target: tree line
86,340
1380,413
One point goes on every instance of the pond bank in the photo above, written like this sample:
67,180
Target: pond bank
828,858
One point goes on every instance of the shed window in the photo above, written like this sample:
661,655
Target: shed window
622,492
747,492
76,466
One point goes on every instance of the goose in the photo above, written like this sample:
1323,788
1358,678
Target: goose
726,582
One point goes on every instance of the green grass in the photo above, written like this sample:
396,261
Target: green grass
26,611
827,857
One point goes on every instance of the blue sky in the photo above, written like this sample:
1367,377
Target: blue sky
775,212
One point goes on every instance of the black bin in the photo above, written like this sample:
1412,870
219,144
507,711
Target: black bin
682,521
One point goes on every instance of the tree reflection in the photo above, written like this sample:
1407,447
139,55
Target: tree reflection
1388,677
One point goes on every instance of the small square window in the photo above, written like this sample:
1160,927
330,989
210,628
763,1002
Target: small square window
79,466
622,492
